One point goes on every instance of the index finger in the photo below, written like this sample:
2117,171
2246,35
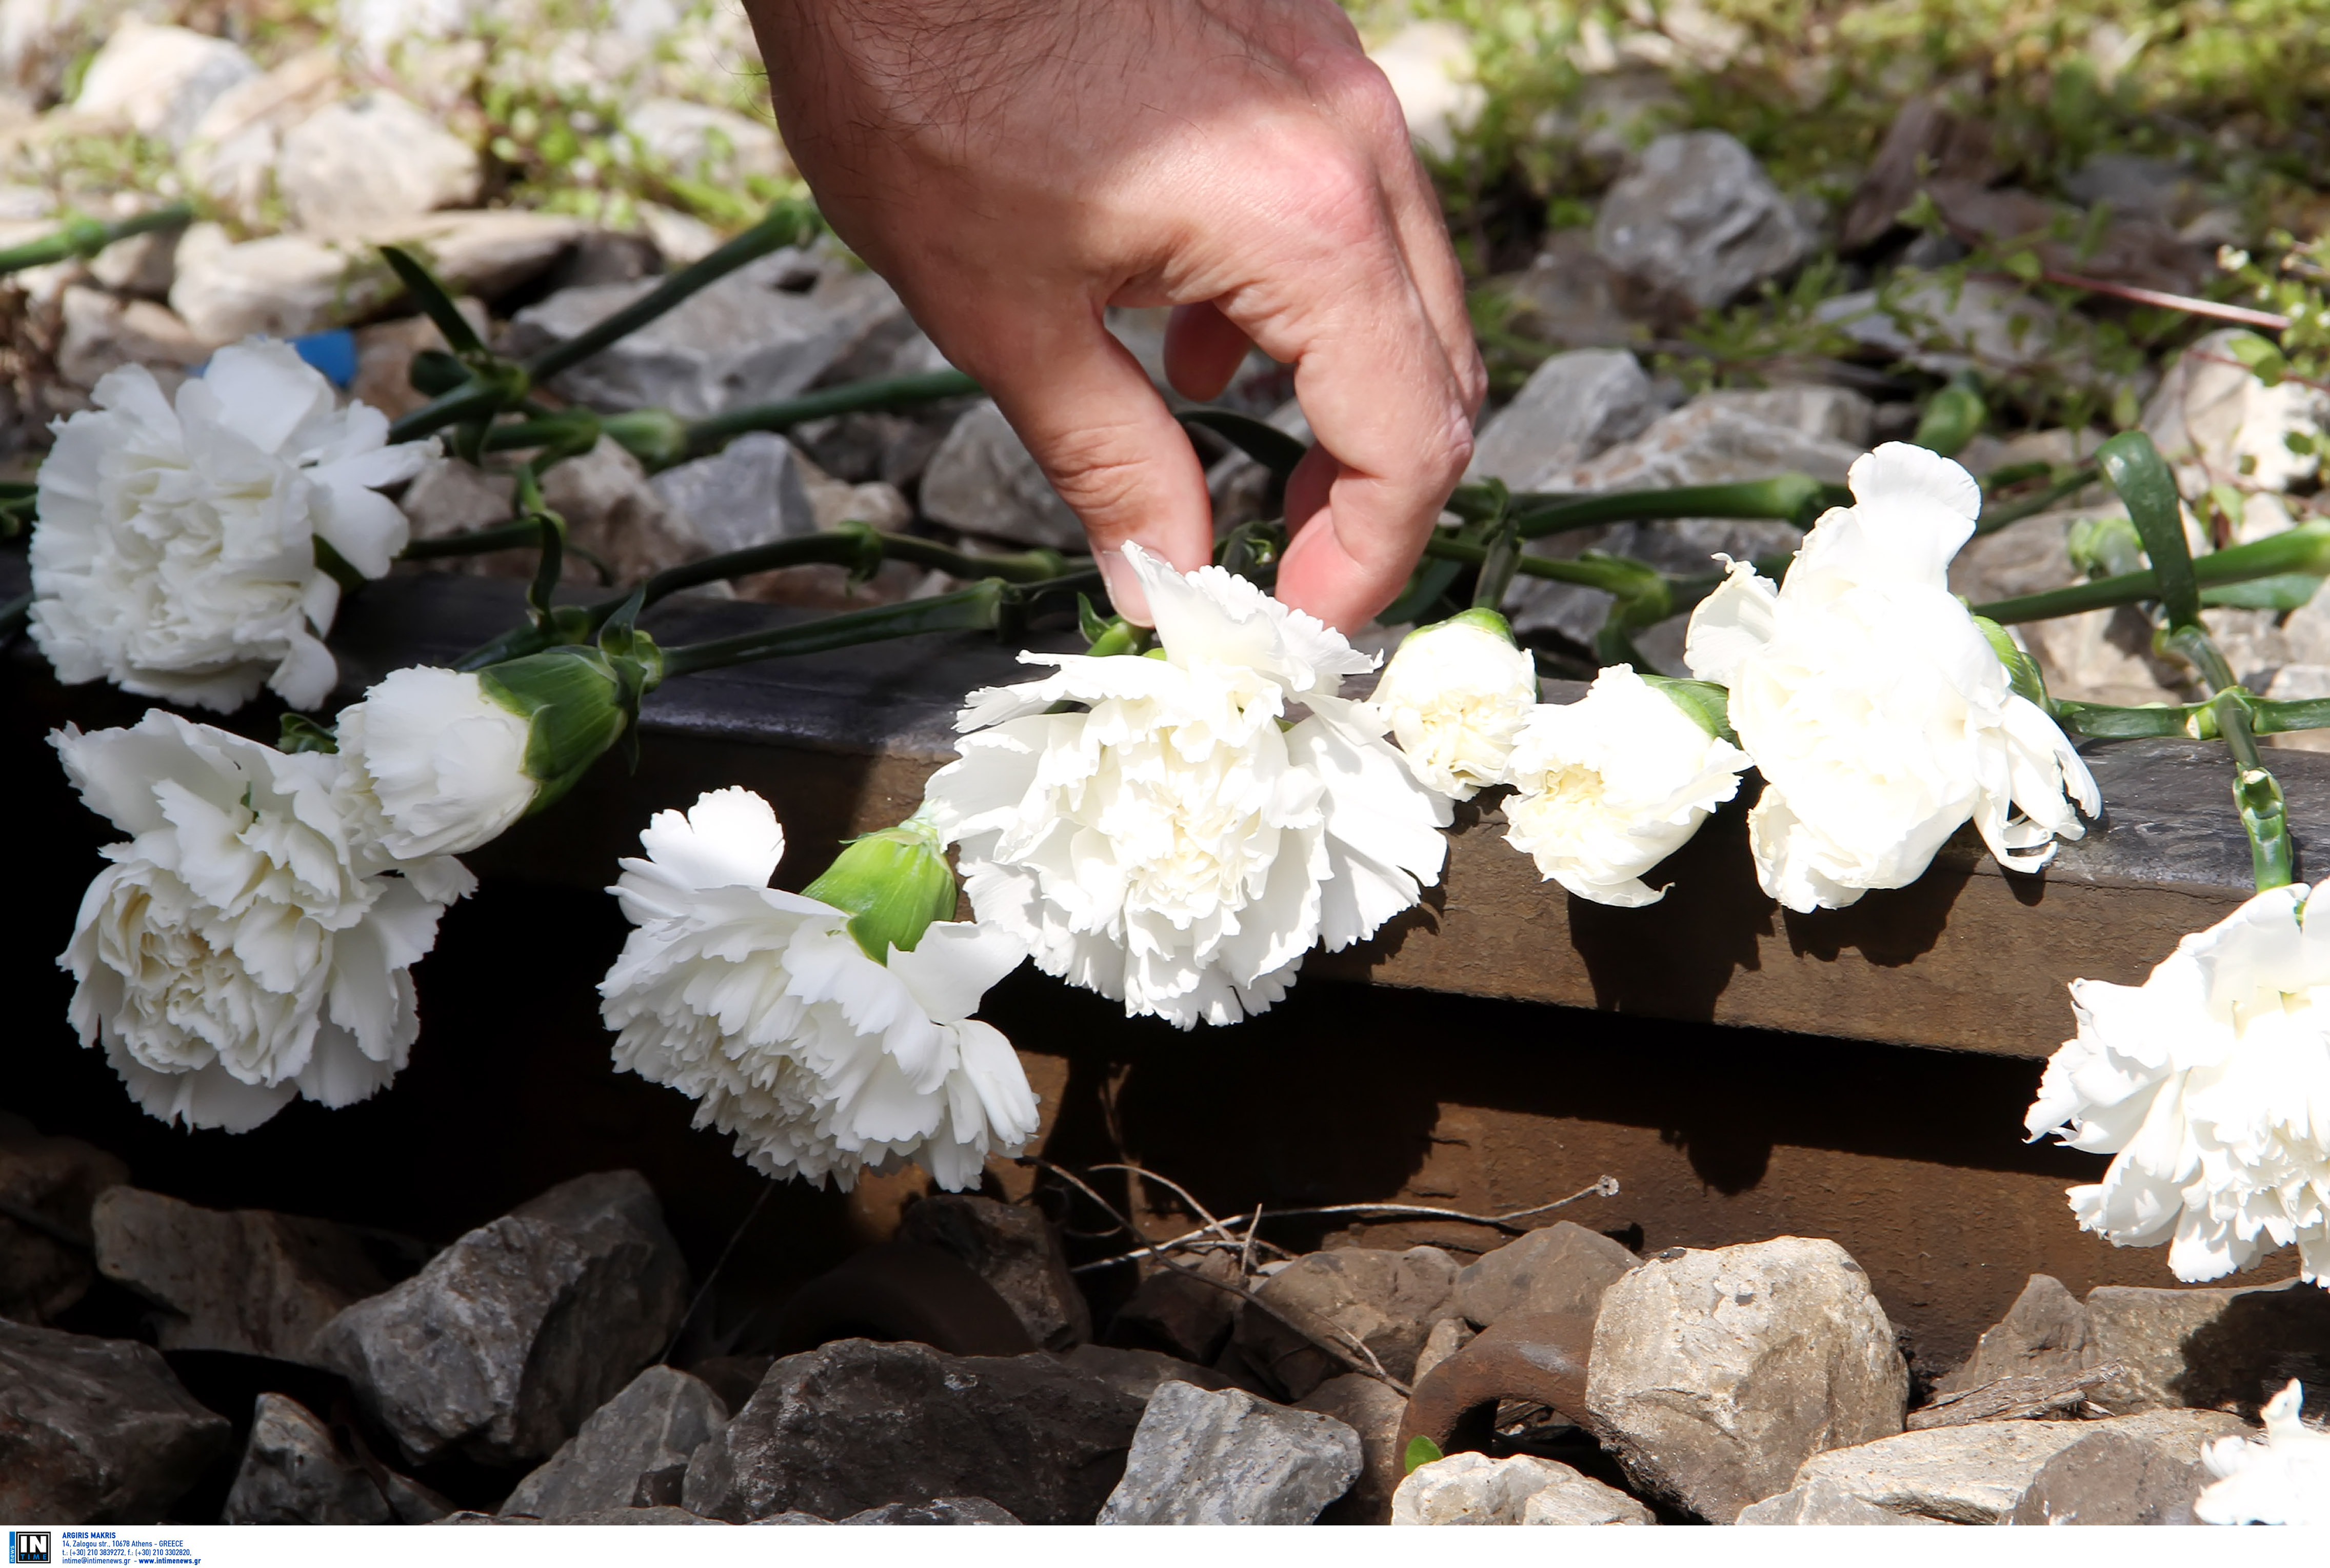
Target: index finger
1384,402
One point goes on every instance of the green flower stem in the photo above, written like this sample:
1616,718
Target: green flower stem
881,393
2256,794
2190,720
660,439
1500,554
1792,497
2303,549
85,237
2030,506
470,401
780,228
1610,574
860,547
863,548
524,531
978,608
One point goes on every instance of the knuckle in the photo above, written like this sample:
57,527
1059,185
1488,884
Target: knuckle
1341,201
1096,470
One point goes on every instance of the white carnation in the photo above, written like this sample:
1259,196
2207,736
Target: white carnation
446,762
174,552
1202,819
1454,697
249,943
2283,1480
1609,786
1876,712
2211,1083
760,1006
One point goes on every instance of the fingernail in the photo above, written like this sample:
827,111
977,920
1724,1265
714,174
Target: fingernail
1125,595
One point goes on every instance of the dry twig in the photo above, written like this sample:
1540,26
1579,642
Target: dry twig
1355,1356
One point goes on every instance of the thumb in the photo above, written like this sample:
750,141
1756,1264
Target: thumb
1111,448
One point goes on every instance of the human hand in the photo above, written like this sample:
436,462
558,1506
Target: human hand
1013,167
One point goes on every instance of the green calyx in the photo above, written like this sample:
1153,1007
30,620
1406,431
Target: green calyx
1479,617
2021,671
1708,705
892,884
577,702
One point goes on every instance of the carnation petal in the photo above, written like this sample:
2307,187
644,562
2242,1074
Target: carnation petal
729,838
1731,624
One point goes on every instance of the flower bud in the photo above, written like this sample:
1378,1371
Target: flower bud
443,759
576,702
892,884
454,758
1454,697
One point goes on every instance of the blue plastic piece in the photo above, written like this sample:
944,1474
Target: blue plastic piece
334,353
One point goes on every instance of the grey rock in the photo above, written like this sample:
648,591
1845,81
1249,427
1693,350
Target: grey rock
103,332
2211,417
605,256
1716,1374
97,1432
1373,1409
1823,1502
372,161
1977,1474
159,80
1562,1267
2206,1348
512,1334
142,266
1944,327
612,510
1448,1337
1016,1251
631,1453
2046,1330
1138,1371
409,1501
2112,1479
1709,440
46,1188
1832,413
489,253
1573,407
1227,1458
1471,1489
1181,1316
855,1424
983,481
247,1280
1569,296
745,339
750,492
293,1473
450,496
231,156
1386,1300
790,1518
1580,1499
660,1515
1698,221
937,1511
281,286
